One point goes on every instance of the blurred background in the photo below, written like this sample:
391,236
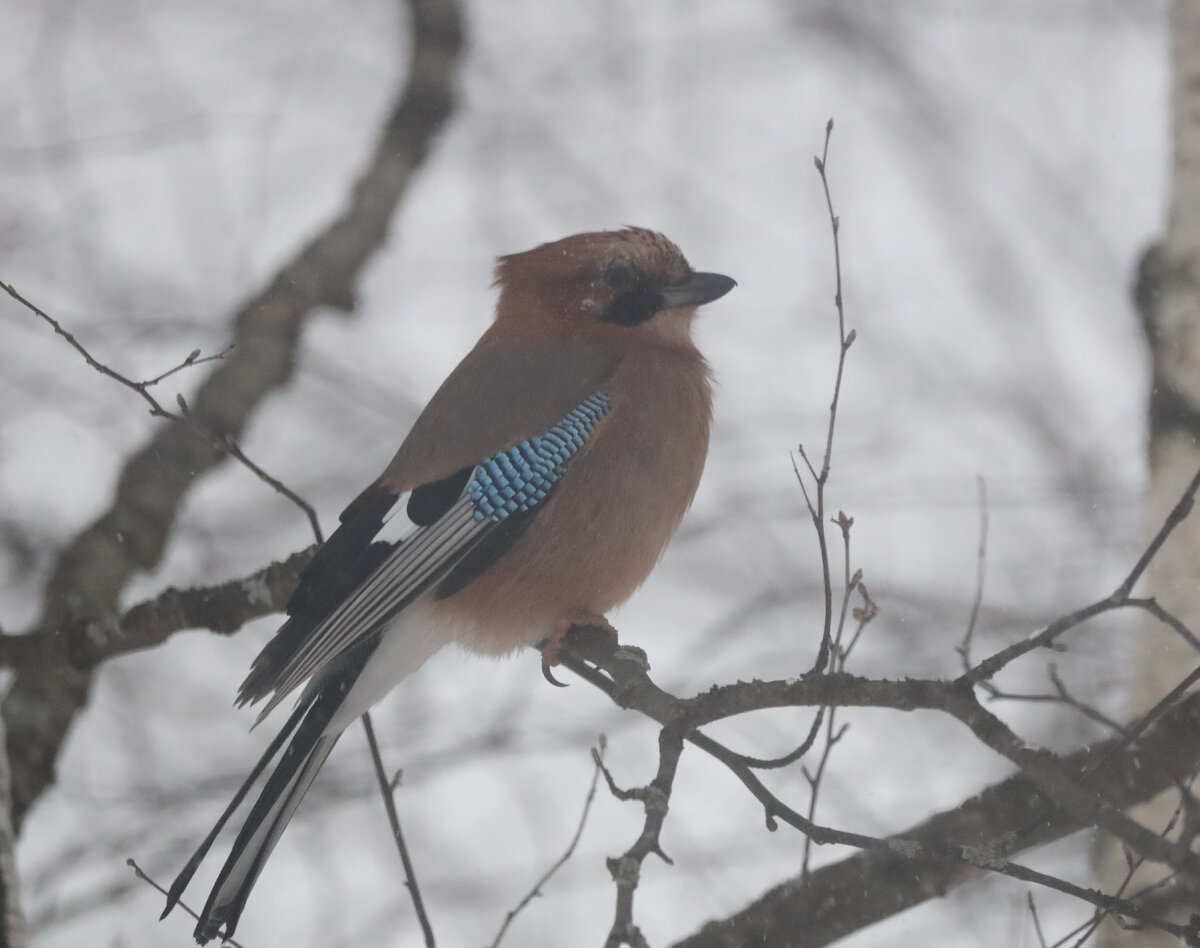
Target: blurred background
997,167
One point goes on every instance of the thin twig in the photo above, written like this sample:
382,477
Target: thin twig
863,615
845,340
964,648
227,443
1060,695
141,874
389,804
598,761
1087,710
1037,925
1139,727
775,763
1120,597
832,737
140,387
1133,864
1083,932
1152,606
816,512
833,734
844,524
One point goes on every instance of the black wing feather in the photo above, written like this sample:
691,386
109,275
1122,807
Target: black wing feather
347,558
428,503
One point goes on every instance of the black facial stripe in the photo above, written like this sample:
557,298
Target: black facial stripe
634,306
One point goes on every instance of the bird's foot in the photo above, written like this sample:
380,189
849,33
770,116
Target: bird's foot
553,643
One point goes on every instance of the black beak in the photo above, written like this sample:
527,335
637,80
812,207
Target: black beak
697,289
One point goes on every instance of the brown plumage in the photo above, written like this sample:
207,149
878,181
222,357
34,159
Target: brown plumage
543,481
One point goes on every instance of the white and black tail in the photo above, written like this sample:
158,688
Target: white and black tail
309,746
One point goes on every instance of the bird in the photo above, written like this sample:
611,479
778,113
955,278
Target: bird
535,492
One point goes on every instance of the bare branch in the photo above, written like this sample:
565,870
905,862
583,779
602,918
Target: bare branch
839,655
224,609
601,662
1011,816
821,478
1037,924
386,789
227,443
964,647
775,763
91,572
598,760
1119,597
1152,607
655,798
845,340
142,388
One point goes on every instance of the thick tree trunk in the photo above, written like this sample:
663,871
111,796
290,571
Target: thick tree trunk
1168,299
12,921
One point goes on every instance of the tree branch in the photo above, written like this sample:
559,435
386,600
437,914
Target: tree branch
622,673
223,608
92,571
1009,817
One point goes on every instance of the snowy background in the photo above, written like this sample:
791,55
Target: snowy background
997,167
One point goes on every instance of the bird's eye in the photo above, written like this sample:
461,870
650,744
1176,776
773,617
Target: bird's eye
620,275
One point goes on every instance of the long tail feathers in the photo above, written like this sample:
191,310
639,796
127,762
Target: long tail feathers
185,876
257,839
327,706
269,816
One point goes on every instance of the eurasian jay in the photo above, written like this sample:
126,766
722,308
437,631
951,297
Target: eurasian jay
536,491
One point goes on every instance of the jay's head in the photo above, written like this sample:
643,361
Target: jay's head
631,279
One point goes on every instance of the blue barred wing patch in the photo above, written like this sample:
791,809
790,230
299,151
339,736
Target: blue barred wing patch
520,478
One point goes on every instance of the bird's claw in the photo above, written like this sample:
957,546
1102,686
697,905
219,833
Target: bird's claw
549,676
